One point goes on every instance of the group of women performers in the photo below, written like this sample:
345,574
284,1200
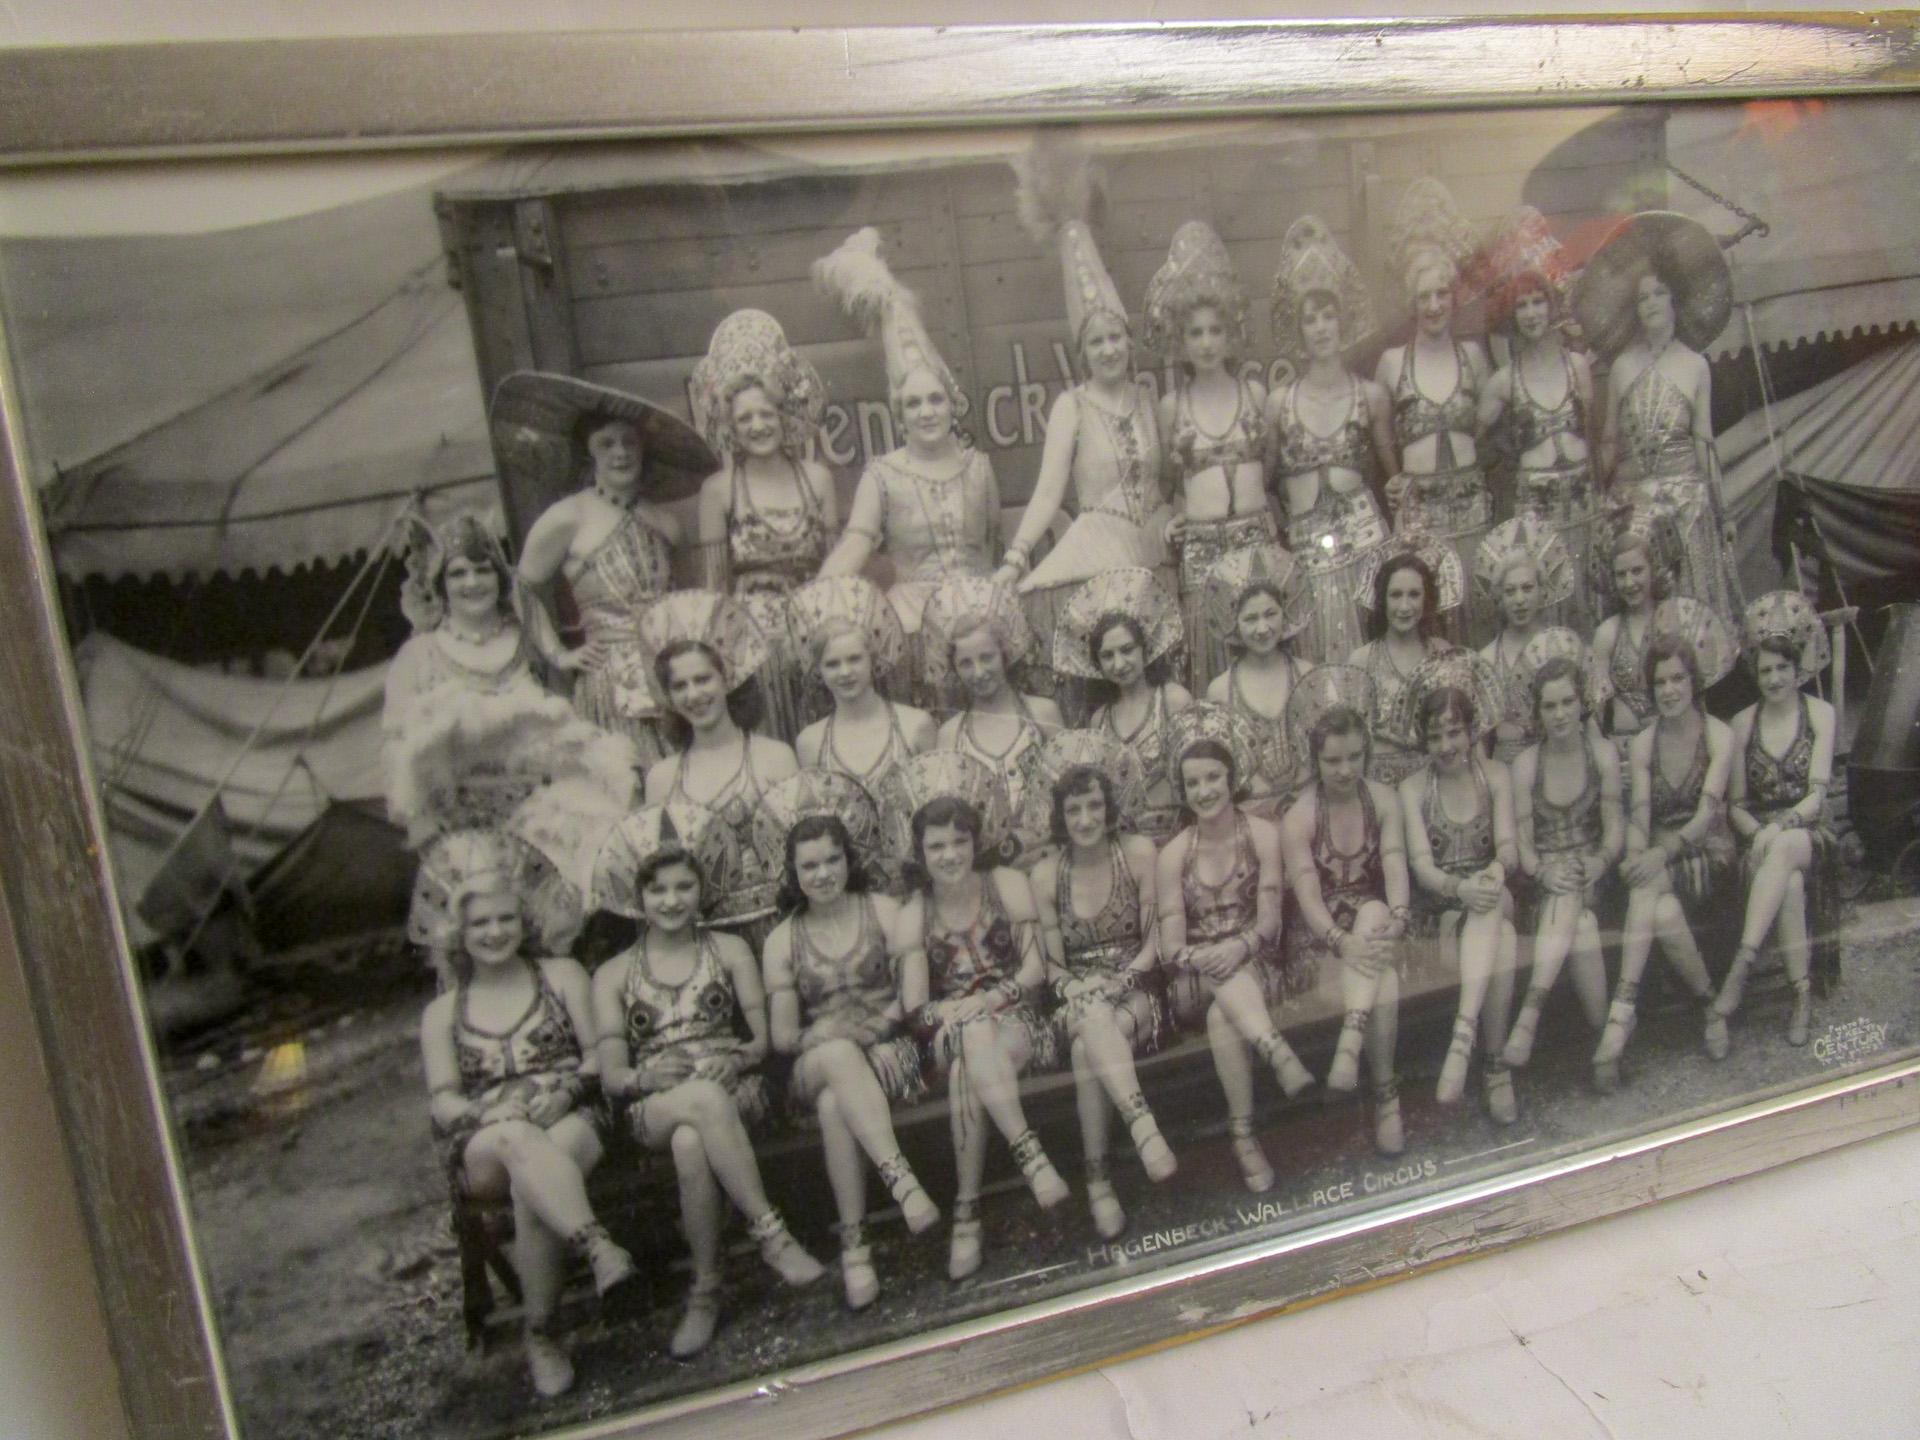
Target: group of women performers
854,827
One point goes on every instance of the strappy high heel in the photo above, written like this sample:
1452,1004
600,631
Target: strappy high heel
1800,1023
1502,1108
1156,1156
698,1322
1389,1133
1246,1149
1343,1076
916,1206
1291,1075
1622,1016
857,1275
1045,1182
1453,1070
782,1252
1734,988
963,1253
614,1273
1519,1046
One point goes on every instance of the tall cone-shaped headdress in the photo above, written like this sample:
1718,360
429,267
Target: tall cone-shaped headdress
1056,191
868,290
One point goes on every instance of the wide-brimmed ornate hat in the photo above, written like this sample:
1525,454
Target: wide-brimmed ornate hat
834,604
717,621
1428,223
1525,251
1067,750
1789,615
1653,524
1129,592
1525,537
1461,670
1440,558
533,417
1221,724
944,775
430,547
1324,688
1556,642
1679,248
462,862
958,603
1312,263
643,836
750,348
859,279
1266,568
815,792
1198,271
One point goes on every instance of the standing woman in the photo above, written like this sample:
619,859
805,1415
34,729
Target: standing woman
1095,893
1545,394
1329,431
1221,892
977,640
931,508
1525,570
703,651
1407,586
1783,748
1460,849
1435,382
1214,423
1102,434
1653,297
1566,801
665,1011
833,973
1345,848
1679,851
1639,572
976,923
1260,600
510,1068
767,515
853,640
611,540
1120,630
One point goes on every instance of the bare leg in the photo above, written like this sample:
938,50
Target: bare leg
846,1172
1235,1069
711,1111
969,1122
542,1176
1475,943
841,1068
1498,1079
1680,948
1359,991
1383,1031
1559,917
1791,850
1090,1097
700,1219
538,1256
1797,950
1589,968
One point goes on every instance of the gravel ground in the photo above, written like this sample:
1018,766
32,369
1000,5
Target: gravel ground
321,1207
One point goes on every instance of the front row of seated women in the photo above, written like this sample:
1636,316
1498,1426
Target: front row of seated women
983,971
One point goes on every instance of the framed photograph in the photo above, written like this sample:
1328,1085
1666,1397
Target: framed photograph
747,732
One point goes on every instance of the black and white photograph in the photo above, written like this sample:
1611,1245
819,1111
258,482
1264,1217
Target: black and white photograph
721,753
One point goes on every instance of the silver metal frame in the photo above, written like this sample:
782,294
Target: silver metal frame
276,98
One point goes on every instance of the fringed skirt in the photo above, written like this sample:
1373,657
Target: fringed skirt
1332,543
751,1097
601,697
1707,570
1206,544
1455,506
893,1057
1562,496
783,678
1043,1048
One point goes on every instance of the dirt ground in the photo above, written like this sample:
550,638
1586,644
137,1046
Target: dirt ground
321,1206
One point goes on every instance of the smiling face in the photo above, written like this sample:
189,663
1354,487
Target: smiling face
1532,312
1433,299
1259,622
820,867
925,407
1204,339
1633,577
1106,348
696,689
1775,674
1449,740
1118,653
472,586
1672,687
846,665
1342,762
670,896
1320,326
979,664
490,927
1520,593
1653,305
1406,601
946,852
1083,812
1208,785
1559,708
756,423
615,450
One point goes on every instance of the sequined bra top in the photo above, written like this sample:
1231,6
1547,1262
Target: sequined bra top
1216,910
965,960
622,574
540,1042
1459,847
858,984
1348,879
1243,442
1672,805
752,894
1534,423
1415,416
1774,784
1149,738
696,1014
1348,447
1576,825
774,547
1110,938
1656,424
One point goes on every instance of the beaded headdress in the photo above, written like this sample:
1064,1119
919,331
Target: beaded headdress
1259,567
814,792
1324,688
532,419
1654,525
867,289
1440,558
833,604
1556,642
1312,263
944,775
1129,592
1066,750
1789,615
645,834
750,348
1056,192
1461,670
1427,225
1707,635
1224,726
1526,250
462,862
429,548
1525,537
1198,271
1679,248
955,606
717,621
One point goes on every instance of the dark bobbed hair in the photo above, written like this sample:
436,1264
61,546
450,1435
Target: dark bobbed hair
1441,702
792,900
743,701
1430,596
1668,646
472,543
1154,673
1208,749
587,422
1339,720
1781,645
1560,667
1662,575
660,859
944,810
1077,780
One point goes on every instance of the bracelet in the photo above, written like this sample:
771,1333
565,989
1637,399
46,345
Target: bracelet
1401,913
1130,980
1017,559
1335,934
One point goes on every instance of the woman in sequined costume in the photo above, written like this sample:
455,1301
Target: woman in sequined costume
1262,600
1404,621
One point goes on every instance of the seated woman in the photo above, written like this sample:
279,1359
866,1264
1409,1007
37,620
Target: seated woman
508,1053
1121,631
1566,794
703,652
833,991
1526,574
1345,848
1679,851
1778,793
1260,600
854,643
977,636
1412,585
1220,893
1460,850
664,1009
1096,899
976,923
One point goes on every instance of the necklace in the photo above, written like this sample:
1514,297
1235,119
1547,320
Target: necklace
491,632
622,503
